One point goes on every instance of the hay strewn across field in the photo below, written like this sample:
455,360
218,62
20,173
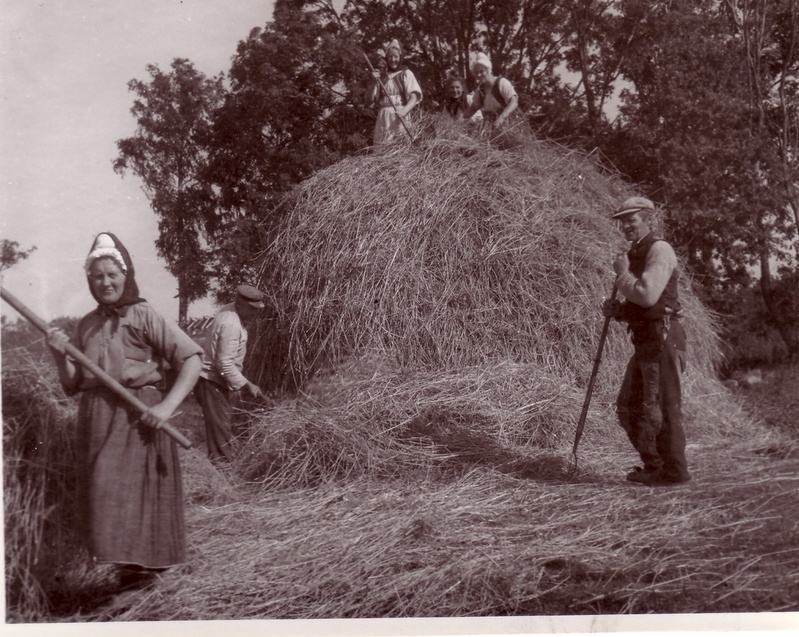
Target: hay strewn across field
486,543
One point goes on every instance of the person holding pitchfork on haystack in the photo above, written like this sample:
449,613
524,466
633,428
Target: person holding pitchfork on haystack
649,404
129,472
395,93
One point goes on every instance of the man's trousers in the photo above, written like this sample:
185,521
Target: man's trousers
217,403
649,404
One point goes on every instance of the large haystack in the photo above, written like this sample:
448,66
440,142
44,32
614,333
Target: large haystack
408,278
452,253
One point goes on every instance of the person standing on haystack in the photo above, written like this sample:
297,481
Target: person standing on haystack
495,98
402,92
221,379
649,404
457,100
129,474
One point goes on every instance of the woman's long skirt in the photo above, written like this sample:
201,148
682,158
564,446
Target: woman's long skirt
131,482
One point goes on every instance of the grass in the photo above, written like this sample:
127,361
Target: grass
776,401
488,544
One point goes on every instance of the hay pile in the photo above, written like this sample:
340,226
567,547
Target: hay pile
365,420
38,484
451,287
452,254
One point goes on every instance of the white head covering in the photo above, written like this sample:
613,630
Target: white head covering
104,246
483,60
394,44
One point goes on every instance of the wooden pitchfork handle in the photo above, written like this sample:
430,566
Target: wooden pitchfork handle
590,390
383,86
81,358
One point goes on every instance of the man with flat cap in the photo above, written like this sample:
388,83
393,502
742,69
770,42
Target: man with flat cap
221,380
649,405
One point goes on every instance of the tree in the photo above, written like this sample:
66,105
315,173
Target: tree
10,254
294,107
169,153
684,134
767,33
692,133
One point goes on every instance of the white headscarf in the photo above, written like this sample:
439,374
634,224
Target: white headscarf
483,60
104,246
394,44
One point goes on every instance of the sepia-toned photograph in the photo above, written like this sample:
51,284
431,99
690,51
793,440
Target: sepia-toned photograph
400,317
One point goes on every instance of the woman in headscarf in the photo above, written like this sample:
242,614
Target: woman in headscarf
129,471
402,92
495,96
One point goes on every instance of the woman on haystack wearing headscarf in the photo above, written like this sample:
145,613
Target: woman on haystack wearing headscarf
129,472
402,92
495,98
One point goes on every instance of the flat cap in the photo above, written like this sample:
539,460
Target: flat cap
633,204
251,295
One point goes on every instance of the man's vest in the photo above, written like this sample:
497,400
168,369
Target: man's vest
667,304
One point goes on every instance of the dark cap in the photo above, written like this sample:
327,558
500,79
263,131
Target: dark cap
631,205
252,296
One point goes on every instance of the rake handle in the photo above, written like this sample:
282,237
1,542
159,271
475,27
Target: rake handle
87,363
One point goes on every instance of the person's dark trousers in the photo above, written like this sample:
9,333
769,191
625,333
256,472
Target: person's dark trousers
649,404
217,405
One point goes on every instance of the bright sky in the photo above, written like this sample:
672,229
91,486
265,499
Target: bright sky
65,102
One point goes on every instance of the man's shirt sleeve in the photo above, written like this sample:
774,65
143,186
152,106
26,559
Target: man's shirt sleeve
228,355
645,291
506,90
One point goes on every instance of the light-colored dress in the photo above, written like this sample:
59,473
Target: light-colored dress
129,473
400,85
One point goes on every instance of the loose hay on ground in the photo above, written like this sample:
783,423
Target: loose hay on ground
492,544
41,513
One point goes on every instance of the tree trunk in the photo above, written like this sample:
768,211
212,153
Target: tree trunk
581,16
783,326
183,306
